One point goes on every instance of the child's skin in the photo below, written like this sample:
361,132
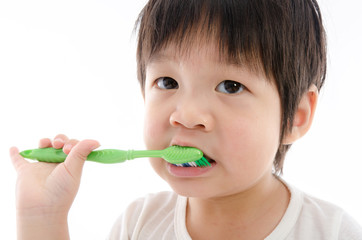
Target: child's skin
238,126
238,197
45,191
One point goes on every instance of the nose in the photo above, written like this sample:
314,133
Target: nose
193,114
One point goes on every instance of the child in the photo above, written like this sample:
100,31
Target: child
238,80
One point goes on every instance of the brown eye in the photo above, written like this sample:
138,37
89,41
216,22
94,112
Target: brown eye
166,83
230,87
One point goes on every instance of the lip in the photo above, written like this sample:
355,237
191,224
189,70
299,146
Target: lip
182,143
189,172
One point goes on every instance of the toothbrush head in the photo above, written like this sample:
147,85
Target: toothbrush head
185,156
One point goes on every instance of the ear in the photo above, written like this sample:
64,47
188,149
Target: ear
303,117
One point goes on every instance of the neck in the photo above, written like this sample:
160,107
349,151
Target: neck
260,207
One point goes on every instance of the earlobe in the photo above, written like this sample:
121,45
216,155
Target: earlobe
303,117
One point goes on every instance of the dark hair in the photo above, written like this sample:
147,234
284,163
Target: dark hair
283,38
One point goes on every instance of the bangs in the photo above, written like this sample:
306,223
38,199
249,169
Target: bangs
232,28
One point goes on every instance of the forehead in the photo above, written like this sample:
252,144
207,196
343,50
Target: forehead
204,51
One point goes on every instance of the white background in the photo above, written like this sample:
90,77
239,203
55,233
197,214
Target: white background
69,67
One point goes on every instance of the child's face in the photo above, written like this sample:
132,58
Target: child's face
230,113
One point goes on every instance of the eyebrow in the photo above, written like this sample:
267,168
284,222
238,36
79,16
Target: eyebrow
161,57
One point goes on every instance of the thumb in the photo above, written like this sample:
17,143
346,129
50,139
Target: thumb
75,159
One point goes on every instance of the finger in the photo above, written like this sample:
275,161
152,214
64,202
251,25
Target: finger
75,160
69,145
17,160
45,143
59,141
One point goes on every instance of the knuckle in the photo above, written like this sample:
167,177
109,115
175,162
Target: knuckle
72,142
79,155
80,149
61,137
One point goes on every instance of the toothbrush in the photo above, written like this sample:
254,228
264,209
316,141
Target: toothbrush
177,155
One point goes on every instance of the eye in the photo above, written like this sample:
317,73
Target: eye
230,87
166,83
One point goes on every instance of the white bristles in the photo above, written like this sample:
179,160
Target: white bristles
189,164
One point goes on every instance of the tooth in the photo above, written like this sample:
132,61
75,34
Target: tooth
189,164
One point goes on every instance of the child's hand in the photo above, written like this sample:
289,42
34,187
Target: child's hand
45,191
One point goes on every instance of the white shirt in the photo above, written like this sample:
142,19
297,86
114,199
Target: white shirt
163,216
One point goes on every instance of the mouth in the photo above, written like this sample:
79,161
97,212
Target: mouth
210,161
191,169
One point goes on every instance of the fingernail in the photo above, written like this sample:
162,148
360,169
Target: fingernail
96,146
59,140
58,143
67,148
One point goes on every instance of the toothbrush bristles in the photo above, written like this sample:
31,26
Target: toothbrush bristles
203,162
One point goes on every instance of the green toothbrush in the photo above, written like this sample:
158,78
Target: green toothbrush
178,155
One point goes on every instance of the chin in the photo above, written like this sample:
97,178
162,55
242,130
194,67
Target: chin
189,188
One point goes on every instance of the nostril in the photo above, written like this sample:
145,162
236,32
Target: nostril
174,122
191,119
186,123
200,126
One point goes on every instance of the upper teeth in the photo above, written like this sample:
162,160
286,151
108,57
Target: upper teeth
189,164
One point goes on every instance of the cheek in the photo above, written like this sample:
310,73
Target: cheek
155,127
251,140
150,131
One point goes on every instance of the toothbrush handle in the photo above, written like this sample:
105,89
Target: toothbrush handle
111,156
119,156
102,156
